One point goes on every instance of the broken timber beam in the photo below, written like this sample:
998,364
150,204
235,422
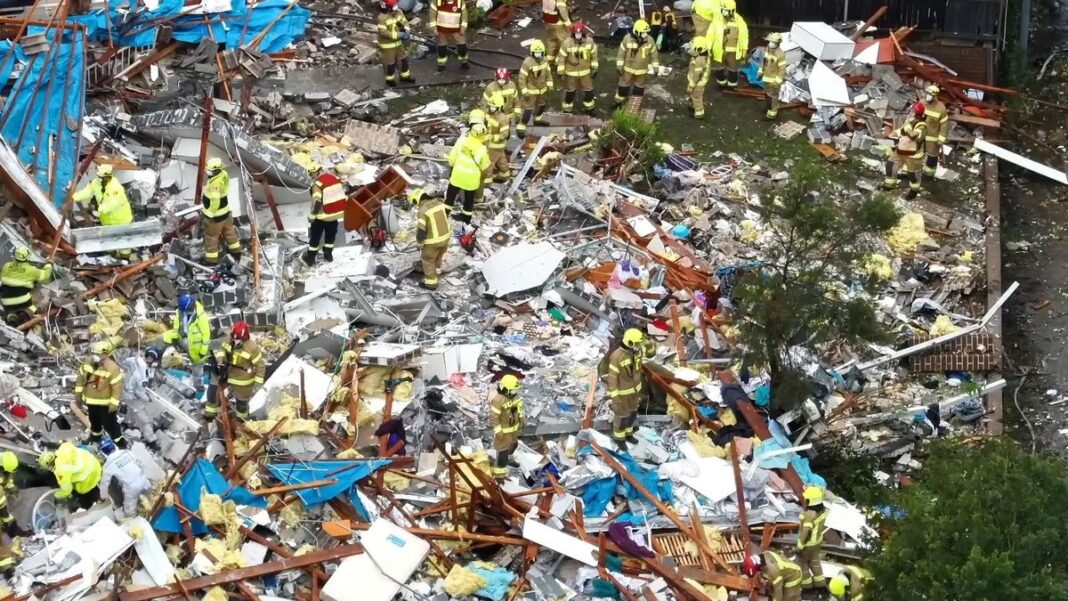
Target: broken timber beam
123,275
279,490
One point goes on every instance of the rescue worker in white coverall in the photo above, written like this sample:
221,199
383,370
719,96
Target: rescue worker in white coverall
122,465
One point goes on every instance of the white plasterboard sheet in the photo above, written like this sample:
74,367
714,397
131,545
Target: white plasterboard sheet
1026,163
868,56
316,383
103,238
827,87
98,546
712,477
556,540
642,226
253,553
848,520
150,551
821,40
520,267
391,555
349,262
387,350
442,362
314,310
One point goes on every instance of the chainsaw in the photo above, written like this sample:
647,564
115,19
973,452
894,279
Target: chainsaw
467,239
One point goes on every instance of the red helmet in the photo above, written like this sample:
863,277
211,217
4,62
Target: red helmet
578,27
502,73
240,331
389,3
918,109
751,565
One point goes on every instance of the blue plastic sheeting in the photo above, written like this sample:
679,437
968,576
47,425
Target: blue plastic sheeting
202,477
347,473
650,479
497,582
799,463
597,495
48,94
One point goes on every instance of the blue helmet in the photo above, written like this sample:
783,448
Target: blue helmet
107,446
187,303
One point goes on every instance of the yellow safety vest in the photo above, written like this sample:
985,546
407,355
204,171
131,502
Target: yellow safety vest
216,189
469,158
17,281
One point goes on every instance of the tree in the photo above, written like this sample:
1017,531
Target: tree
806,291
982,523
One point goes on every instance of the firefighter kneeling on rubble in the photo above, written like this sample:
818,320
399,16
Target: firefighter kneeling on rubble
849,584
239,366
77,472
506,417
626,384
908,153
191,330
18,280
99,386
781,576
432,233
107,201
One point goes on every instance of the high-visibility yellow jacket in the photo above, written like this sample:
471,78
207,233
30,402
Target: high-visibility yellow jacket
555,11
17,281
706,9
448,16
497,128
937,118
470,161
76,470
729,36
813,527
197,335
781,574
390,26
698,73
636,57
99,383
577,59
246,364
774,71
507,93
858,578
216,204
433,225
109,201
534,77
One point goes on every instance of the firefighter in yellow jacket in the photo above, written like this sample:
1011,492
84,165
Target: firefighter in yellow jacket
577,63
471,167
392,33
449,19
8,548
849,584
535,83
506,418
810,538
99,385
626,384
77,472
240,363
432,234
781,576
730,43
191,330
503,88
774,74
702,13
937,118
697,76
216,216
637,59
557,19
908,153
107,201
498,126
18,280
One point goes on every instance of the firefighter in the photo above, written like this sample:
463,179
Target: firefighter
9,464
432,233
191,329
773,73
328,200
557,19
239,365
392,33
122,465
702,13
626,384
99,386
498,124
810,538
107,201
637,58
535,82
471,166
937,118
730,43
697,76
504,88
664,28
18,280
217,220
77,473
8,548
506,417
449,18
577,62
781,576
849,584
908,153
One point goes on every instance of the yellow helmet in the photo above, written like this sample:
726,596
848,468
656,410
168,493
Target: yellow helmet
313,167
775,37
633,337
933,90
102,347
214,164
729,5
47,460
537,46
700,44
104,170
641,26
478,130
496,101
837,585
509,384
22,254
477,116
813,494
9,461
416,196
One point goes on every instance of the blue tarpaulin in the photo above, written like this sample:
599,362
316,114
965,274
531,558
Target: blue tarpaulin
347,474
497,582
780,441
202,477
597,495
599,492
46,99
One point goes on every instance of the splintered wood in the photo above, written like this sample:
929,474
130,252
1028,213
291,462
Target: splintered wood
675,545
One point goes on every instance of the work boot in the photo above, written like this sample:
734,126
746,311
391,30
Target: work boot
328,254
912,194
466,66
308,258
391,83
441,68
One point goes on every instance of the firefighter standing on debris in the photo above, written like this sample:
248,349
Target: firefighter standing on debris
99,386
77,472
449,19
774,74
107,201
577,62
557,19
730,43
432,233
535,82
697,76
8,553
471,166
18,280
702,13
328,207
781,576
637,59
849,584
504,88
217,219
908,153
626,384
392,33
239,365
810,538
498,125
122,465
506,418
192,330
937,119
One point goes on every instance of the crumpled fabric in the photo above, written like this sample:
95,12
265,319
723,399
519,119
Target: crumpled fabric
620,534
462,582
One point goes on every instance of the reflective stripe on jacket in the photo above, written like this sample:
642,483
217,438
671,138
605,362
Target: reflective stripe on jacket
99,383
729,36
469,159
330,192
448,16
813,527
534,77
937,119
390,25
245,362
433,227
17,281
577,59
774,67
698,73
506,414
625,372
636,57
76,470
197,335
216,190
555,11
